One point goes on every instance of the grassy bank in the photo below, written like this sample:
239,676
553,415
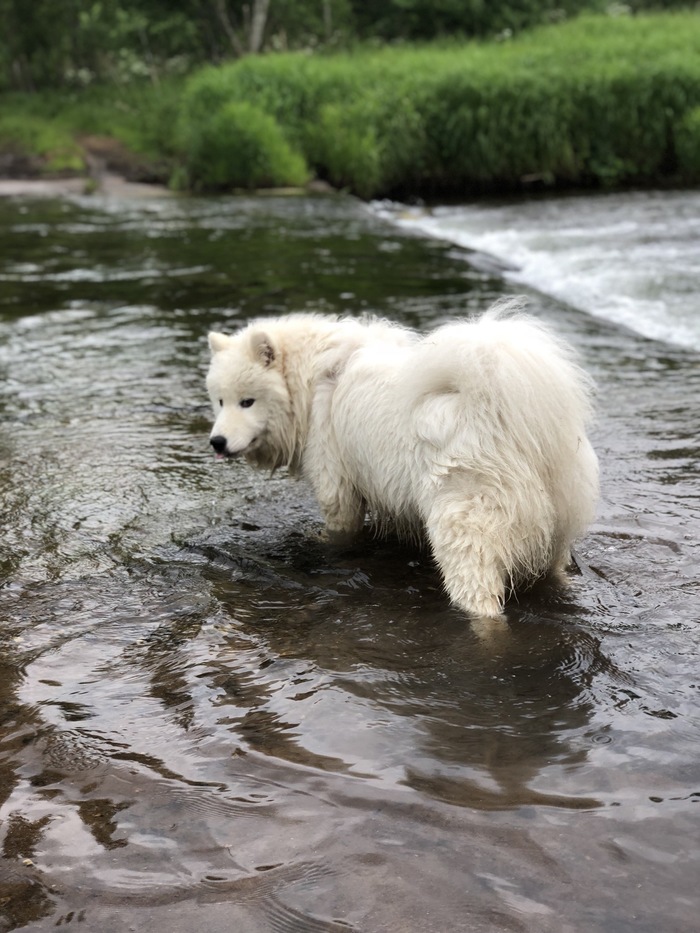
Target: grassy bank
597,101
127,129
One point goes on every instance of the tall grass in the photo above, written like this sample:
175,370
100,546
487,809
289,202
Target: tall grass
238,145
595,101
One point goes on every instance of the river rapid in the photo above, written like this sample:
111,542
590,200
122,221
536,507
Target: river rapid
210,719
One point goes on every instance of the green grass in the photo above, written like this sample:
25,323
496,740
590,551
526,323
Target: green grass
50,126
597,101
31,136
238,145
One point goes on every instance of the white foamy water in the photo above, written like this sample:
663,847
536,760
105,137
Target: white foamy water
632,258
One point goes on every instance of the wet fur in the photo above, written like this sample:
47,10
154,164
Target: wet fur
474,435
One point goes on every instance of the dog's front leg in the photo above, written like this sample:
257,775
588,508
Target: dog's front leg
342,508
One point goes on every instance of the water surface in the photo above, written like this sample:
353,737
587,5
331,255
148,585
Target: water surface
632,258
212,720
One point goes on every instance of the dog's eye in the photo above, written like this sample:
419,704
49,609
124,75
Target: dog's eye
246,402
221,403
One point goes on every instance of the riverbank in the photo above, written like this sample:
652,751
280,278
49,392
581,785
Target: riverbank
110,185
116,186
597,102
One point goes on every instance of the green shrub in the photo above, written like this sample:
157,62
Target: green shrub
588,102
237,145
597,101
346,146
375,144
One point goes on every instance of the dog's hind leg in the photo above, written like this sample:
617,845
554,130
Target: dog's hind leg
466,535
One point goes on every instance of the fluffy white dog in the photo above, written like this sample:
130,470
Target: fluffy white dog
474,434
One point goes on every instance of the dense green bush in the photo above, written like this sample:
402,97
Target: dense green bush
238,145
596,101
599,101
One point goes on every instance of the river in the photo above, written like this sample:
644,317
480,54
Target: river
631,258
211,720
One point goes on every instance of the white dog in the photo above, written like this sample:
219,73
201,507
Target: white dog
474,434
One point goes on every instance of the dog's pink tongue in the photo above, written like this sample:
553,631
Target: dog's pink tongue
219,457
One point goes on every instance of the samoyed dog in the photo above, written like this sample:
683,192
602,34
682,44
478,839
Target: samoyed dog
473,436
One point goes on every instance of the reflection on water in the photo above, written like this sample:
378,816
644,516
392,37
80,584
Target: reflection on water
210,718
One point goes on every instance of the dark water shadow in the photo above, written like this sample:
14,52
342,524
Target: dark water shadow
462,713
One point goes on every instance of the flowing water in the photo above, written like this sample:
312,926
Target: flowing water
210,719
631,258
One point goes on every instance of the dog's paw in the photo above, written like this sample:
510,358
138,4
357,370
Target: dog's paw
339,537
492,632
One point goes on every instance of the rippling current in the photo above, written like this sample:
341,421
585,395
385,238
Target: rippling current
211,720
631,258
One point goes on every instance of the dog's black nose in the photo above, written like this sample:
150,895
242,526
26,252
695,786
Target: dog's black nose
218,442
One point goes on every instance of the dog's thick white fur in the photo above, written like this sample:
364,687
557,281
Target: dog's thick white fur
474,434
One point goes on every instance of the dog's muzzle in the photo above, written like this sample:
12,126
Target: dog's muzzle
218,442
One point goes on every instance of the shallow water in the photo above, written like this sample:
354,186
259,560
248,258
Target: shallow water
212,720
632,258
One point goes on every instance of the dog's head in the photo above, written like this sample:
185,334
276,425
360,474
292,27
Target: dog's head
249,396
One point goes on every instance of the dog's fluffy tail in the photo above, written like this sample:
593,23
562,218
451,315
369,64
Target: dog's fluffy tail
511,373
502,402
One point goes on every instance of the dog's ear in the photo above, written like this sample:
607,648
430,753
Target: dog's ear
217,341
262,348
